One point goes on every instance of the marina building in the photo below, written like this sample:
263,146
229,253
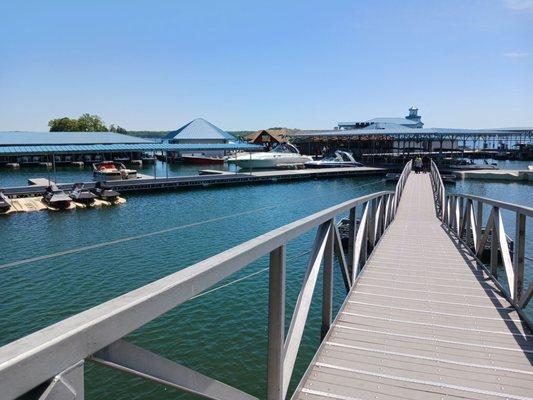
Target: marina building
200,137
405,135
268,138
413,120
50,148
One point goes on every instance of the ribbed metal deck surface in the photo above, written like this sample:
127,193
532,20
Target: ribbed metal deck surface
422,322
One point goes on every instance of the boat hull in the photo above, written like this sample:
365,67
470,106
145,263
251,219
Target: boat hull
202,160
273,162
320,164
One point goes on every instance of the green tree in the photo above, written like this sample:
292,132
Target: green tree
117,129
63,125
91,123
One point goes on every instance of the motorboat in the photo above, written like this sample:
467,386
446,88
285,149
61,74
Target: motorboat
104,193
112,171
80,194
282,155
202,159
463,164
5,203
392,177
57,198
448,178
337,160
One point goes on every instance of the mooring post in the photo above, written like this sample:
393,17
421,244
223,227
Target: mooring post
276,324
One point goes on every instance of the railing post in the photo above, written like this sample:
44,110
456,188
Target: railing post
371,221
351,238
479,219
327,288
460,223
519,255
494,243
276,324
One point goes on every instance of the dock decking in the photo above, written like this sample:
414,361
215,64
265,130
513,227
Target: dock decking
422,322
147,183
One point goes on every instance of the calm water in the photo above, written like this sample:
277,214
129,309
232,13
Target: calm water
222,334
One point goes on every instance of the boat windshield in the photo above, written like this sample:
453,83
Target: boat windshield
285,148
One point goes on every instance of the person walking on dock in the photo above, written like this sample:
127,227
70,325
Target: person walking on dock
418,165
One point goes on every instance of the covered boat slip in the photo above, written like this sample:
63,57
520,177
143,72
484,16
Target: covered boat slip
422,322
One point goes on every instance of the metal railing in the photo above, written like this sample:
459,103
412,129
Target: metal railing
438,189
53,358
462,214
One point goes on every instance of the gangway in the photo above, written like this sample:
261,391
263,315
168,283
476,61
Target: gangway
423,317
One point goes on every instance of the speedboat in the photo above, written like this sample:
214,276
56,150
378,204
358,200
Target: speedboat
112,171
392,177
338,159
104,193
5,203
79,194
283,155
55,197
202,159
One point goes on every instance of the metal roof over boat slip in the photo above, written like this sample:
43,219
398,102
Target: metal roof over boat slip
15,138
118,148
422,132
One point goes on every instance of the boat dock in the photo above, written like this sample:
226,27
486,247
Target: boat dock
423,321
510,175
423,317
206,178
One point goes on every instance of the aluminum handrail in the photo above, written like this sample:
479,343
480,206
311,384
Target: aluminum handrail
438,187
528,211
59,350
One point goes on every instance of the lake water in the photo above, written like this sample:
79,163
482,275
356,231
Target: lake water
221,334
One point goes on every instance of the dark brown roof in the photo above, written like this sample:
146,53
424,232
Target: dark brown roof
277,134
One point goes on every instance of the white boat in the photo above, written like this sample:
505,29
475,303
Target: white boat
283,155
337,160
112,171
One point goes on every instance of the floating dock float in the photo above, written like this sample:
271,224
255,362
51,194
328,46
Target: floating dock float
31,204
497,175
211,178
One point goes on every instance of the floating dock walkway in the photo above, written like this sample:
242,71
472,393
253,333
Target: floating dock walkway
422,322
212,178
423,318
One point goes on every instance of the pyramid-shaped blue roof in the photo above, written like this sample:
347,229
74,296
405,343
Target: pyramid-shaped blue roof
199,129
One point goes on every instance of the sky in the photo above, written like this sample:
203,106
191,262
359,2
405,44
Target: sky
247,65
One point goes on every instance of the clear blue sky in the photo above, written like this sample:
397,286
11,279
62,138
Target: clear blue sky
154,65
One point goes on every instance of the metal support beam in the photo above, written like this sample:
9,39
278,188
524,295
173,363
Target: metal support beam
327,287
504,251
339,252
479,220
519,256
494,243
301,310
351,237
68,385
360,246
276,323
137,361
526,296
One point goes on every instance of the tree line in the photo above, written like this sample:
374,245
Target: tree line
85,123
